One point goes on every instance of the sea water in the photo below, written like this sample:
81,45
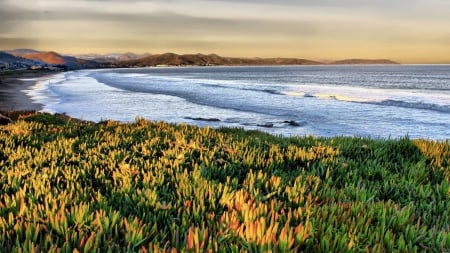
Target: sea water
387,101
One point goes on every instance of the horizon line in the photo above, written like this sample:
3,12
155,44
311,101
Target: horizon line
326,61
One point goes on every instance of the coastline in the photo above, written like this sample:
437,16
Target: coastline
12,97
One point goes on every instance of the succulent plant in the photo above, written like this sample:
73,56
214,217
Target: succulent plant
73,186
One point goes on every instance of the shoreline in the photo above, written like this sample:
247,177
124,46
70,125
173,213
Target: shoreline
12,96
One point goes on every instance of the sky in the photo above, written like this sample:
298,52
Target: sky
407,31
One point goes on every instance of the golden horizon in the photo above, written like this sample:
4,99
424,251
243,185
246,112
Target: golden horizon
403,32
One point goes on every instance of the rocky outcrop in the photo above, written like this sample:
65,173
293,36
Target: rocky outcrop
5,120
204,119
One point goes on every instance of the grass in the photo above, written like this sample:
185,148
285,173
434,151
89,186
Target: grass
73,186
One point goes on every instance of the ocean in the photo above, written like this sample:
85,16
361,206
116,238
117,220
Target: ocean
377,101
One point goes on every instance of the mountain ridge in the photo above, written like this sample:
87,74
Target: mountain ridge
49,57
363,61
30,58
22,51
34,59
172,59
11,62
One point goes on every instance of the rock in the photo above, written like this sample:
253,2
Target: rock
204,119
292,123
268,125
5,120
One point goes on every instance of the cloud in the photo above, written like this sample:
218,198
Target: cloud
178,24
12,19
444,40
154,20
13,43
242,26
325,3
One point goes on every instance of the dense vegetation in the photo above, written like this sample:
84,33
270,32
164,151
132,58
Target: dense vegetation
74,186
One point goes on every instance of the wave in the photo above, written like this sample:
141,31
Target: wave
414,105
42,91
202,90
374,101
229,97
340,98
292,106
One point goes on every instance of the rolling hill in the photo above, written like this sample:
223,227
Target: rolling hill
363,61
171,59
30,57
51,58
9,61
22,51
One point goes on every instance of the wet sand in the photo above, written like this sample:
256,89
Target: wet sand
12,96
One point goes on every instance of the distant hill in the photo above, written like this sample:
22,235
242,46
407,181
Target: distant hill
51,58
9,61
171,59
363,61
5,57
22,51
55,59
29,58
114,57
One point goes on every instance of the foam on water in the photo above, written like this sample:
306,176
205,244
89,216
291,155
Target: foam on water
323,100
42,93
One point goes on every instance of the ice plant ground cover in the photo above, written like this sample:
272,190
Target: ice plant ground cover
73,186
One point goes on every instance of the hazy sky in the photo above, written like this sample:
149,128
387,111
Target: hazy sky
409,31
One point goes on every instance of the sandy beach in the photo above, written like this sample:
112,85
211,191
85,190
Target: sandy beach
12,97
